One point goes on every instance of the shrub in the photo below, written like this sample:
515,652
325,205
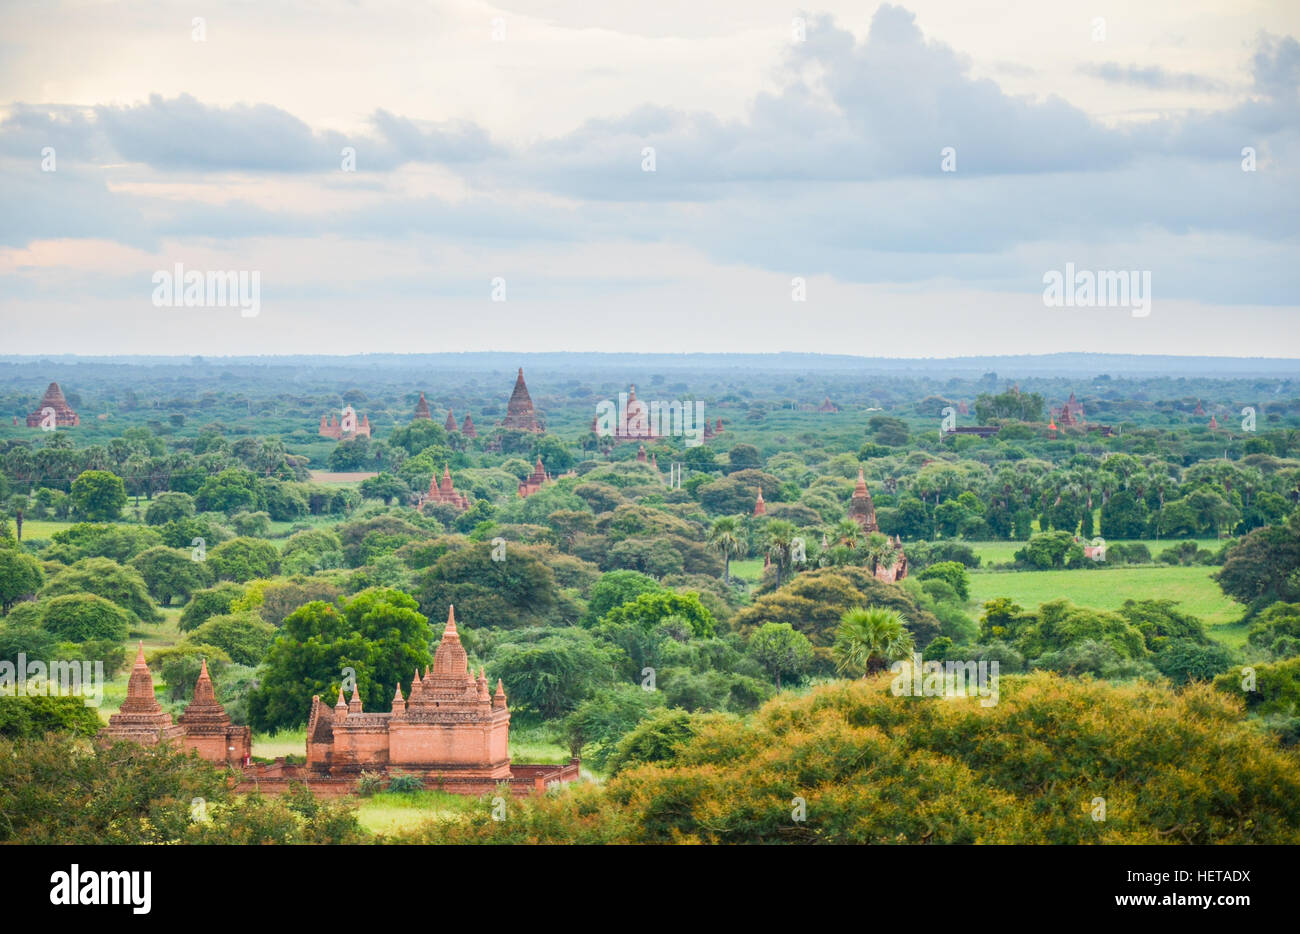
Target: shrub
403,783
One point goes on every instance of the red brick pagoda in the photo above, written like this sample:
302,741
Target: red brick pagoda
519,411
445,492
536,480
861,509
422,409
346,428
54,405
204,726
449,722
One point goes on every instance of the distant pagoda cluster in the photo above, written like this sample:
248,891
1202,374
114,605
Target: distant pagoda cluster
444,493
345,428
54,411
467,428
1071,415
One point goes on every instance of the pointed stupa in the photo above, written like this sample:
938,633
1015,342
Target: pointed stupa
467,427
422,409
519,410
450,423
54,399
861,509
760,507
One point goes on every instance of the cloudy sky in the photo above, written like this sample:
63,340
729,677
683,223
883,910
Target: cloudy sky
501,150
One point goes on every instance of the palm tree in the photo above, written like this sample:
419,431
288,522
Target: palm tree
880,551
780,541
869,638
724,536
18,506
847,532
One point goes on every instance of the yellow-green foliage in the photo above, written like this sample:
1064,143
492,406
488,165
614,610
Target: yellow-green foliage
1173,767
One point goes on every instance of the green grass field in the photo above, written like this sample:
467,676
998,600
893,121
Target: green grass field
387,812
1002,552
1192,587
43,528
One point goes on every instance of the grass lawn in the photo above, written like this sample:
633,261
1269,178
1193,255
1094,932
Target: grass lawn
1106,589
1002,552
387,812
43,528
280,743
751,569
536,743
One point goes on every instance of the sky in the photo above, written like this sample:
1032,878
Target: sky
741,175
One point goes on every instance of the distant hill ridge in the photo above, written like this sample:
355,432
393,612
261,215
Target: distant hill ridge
1009,366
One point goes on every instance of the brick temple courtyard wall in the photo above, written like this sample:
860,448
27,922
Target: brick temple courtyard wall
276,778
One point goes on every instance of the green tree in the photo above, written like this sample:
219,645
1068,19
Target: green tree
99,495
30,717
871,638
518,592
650,609
1262,567
170,572
725,536
780,544
605,718
614,589
229,491
378,633
951,572
243,559
554,674
743,457
386,487
84,617
245,637
209,602
657,739
110,580
20,576
781,650
169,506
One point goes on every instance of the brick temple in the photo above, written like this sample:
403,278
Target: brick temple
204,727
536,480
449,729
444,492
519,410
345,428
861,509
54,404
449,721
422,410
